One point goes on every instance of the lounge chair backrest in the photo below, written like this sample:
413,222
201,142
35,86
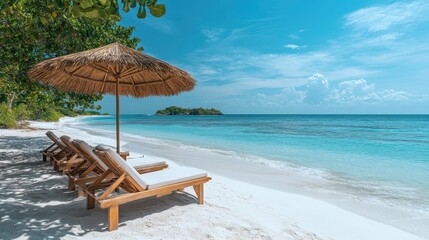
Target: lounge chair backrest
56,140
123,165
67,141
87,151
51,135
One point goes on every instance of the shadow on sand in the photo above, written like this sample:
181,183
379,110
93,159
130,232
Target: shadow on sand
35,202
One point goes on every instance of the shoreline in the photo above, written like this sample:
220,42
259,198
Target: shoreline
275,196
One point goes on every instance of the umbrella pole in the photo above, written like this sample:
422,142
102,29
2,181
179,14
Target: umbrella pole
117,116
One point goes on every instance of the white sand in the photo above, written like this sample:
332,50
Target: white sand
35,203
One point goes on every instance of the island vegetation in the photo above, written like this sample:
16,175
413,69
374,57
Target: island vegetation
173,110
32,31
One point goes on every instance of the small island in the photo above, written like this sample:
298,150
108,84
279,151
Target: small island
173,110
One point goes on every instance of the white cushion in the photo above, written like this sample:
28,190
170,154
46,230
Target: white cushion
90,149
143,162
170,176
127,168
159,178
136,162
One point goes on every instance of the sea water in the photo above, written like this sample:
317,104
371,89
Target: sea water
381,158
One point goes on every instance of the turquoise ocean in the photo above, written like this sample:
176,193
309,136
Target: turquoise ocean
379,158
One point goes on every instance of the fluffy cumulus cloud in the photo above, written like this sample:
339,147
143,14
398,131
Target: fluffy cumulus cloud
318,90
355,91
359,91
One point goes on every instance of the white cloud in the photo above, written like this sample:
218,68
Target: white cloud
393,95
382,40
291,46
285,97
293,36
163,25
353,91
386,36
384,17
212,34
359,91
316,89
294,46
243,70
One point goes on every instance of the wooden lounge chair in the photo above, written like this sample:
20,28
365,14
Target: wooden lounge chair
62,155
57,149
71,160
50,149
137,185
96,167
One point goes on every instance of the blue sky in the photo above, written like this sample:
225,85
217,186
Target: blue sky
284,56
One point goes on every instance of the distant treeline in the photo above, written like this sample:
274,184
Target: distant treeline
173,110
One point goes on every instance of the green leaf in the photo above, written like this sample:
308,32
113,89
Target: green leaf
44,21
133,3
60,3
126,7
103,14
86,4
142,12
157,10
92,13
104,2
112,10
51,4
115,17
76,11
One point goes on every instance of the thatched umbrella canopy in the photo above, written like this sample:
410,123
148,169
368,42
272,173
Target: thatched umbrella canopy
112,69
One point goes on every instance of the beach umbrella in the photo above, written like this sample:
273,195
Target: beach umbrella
112,69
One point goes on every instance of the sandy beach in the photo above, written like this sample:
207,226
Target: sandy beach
239,202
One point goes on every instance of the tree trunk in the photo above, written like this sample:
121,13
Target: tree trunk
10,100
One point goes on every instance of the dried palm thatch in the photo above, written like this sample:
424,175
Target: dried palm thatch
97,71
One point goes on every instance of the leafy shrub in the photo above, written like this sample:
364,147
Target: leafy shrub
50,115
7,118
68,113
90,113
21,112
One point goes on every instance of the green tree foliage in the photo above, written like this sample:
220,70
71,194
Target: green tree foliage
103,9
28,36
21,113
7,119
173,110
